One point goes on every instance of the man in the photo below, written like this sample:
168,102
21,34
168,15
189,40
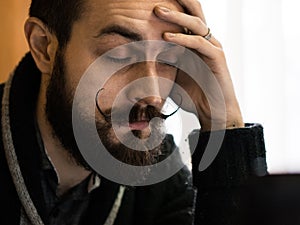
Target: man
45,177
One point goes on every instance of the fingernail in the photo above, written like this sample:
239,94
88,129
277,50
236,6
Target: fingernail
164,9
170,35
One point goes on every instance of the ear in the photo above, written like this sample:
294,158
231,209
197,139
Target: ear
42,43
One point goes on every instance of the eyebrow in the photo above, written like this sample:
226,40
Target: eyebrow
120,30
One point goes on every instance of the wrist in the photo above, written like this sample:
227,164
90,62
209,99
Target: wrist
232,122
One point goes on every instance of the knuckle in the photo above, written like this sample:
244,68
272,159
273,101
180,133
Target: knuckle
218,43
217,54
200,5
220,53
171,13
199,21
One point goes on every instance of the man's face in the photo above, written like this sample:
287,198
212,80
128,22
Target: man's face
104,25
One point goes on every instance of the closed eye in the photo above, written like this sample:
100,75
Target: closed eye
168,60
119,60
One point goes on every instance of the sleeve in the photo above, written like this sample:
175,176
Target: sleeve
242,155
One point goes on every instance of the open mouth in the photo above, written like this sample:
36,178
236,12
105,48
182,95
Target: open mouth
139,125
139,120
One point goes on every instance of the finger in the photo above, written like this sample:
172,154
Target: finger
197,43
193,23
193,7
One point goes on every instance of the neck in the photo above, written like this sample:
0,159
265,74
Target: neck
68,172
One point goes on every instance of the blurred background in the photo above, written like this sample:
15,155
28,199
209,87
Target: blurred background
13,14
261,41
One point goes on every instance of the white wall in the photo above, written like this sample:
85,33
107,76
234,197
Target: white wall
261,40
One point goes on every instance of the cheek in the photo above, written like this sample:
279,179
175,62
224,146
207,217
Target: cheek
113,88
75,71
166,71
77,60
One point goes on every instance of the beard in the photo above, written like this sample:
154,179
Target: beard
58,111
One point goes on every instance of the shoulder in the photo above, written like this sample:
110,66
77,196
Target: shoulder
1,95
3,163
2,156
1,90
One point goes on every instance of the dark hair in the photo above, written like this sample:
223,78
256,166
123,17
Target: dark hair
58,15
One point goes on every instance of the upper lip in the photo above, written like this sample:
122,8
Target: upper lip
141,117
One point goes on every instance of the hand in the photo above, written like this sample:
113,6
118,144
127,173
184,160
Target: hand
211,52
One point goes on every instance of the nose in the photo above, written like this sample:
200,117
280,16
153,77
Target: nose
153,100
146,88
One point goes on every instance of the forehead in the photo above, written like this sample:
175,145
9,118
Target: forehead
129,13
138,6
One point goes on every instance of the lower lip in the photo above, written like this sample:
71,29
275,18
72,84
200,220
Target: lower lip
139,125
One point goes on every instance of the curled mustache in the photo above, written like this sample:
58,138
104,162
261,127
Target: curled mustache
150,111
